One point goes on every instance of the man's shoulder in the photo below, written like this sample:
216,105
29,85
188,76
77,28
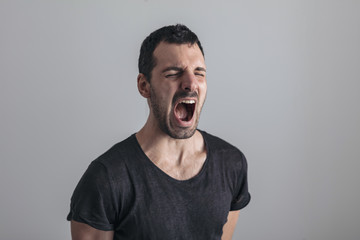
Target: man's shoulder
118,153
217,143
224,152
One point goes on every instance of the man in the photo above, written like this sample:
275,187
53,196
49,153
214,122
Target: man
169,180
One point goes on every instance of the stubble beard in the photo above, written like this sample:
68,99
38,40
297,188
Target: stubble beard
164,120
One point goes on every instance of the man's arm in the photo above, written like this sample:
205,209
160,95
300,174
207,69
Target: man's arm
82,231
229,226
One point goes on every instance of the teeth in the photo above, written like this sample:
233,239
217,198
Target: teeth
188,101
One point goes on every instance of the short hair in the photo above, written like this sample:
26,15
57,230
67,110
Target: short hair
178,34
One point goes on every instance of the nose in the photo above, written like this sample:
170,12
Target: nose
189,82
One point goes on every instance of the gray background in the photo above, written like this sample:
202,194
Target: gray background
283,86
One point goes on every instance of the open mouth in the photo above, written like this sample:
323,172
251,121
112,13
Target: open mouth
184,110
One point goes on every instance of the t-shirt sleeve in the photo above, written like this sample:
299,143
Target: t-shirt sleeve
92,202
242,196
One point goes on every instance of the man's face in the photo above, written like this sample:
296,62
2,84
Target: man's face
177,88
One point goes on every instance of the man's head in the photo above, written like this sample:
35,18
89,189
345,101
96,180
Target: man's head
177,34
174,81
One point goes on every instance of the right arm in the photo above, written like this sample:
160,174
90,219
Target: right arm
92,206
82,231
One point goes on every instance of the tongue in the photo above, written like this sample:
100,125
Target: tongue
181,111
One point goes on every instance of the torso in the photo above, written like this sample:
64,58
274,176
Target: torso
135,198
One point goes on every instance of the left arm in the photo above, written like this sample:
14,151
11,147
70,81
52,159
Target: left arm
229,226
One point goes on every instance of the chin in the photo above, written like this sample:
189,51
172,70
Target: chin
181,132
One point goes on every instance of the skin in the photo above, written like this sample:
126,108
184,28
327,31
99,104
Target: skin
177,148
82,231
229,227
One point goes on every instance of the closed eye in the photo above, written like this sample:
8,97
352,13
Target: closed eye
200,74
173,74
172,71
200,71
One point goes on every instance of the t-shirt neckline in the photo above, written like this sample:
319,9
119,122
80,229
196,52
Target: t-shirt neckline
152,165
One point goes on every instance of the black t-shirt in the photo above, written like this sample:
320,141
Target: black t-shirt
125,192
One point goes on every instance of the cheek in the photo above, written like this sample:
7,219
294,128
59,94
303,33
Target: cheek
203,89
203,84
166,101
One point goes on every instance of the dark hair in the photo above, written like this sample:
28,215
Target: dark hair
178,34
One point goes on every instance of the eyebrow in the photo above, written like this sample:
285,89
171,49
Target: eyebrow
179,69
200,69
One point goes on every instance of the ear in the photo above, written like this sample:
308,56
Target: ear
143,85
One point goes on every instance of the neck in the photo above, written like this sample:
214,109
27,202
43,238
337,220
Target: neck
160,147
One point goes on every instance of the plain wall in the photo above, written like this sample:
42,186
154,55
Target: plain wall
283,86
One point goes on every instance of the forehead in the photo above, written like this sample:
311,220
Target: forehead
178,54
